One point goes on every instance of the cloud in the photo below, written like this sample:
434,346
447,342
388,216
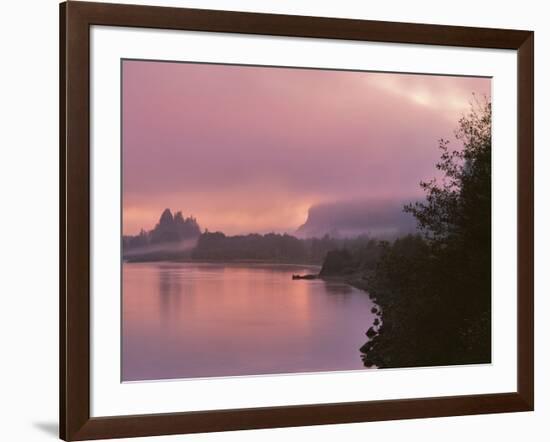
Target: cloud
250,149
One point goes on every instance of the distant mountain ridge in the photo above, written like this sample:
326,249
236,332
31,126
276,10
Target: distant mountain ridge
349,219
171,228
329,226
169,234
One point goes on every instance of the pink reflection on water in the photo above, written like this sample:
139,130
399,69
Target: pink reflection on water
184,320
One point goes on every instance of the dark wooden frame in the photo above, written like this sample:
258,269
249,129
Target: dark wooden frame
75,21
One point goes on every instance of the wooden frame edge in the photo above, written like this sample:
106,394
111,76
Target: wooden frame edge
62,227
526,220
74,335
294,416
74,222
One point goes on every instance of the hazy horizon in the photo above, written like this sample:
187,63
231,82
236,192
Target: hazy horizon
251,149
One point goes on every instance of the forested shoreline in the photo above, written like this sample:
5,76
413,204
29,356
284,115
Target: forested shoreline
218,247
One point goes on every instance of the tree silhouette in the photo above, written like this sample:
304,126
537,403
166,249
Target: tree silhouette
435,290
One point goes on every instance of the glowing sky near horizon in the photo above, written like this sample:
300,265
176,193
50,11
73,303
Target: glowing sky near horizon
251,149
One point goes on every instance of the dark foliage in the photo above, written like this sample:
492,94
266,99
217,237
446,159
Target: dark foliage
272,247
352,259
435,291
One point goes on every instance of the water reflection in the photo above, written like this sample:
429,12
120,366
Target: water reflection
228,320
338,288
169,292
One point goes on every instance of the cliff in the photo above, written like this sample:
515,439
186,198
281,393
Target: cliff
349,219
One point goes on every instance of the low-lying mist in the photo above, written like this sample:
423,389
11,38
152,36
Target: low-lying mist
381,219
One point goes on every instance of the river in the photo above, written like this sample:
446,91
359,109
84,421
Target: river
189,320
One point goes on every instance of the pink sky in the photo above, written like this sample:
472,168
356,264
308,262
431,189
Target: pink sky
250,149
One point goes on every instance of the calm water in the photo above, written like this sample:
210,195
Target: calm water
183,320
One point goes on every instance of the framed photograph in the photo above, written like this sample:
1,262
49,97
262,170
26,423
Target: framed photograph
272,221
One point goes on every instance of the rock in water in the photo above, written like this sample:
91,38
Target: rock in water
371,332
